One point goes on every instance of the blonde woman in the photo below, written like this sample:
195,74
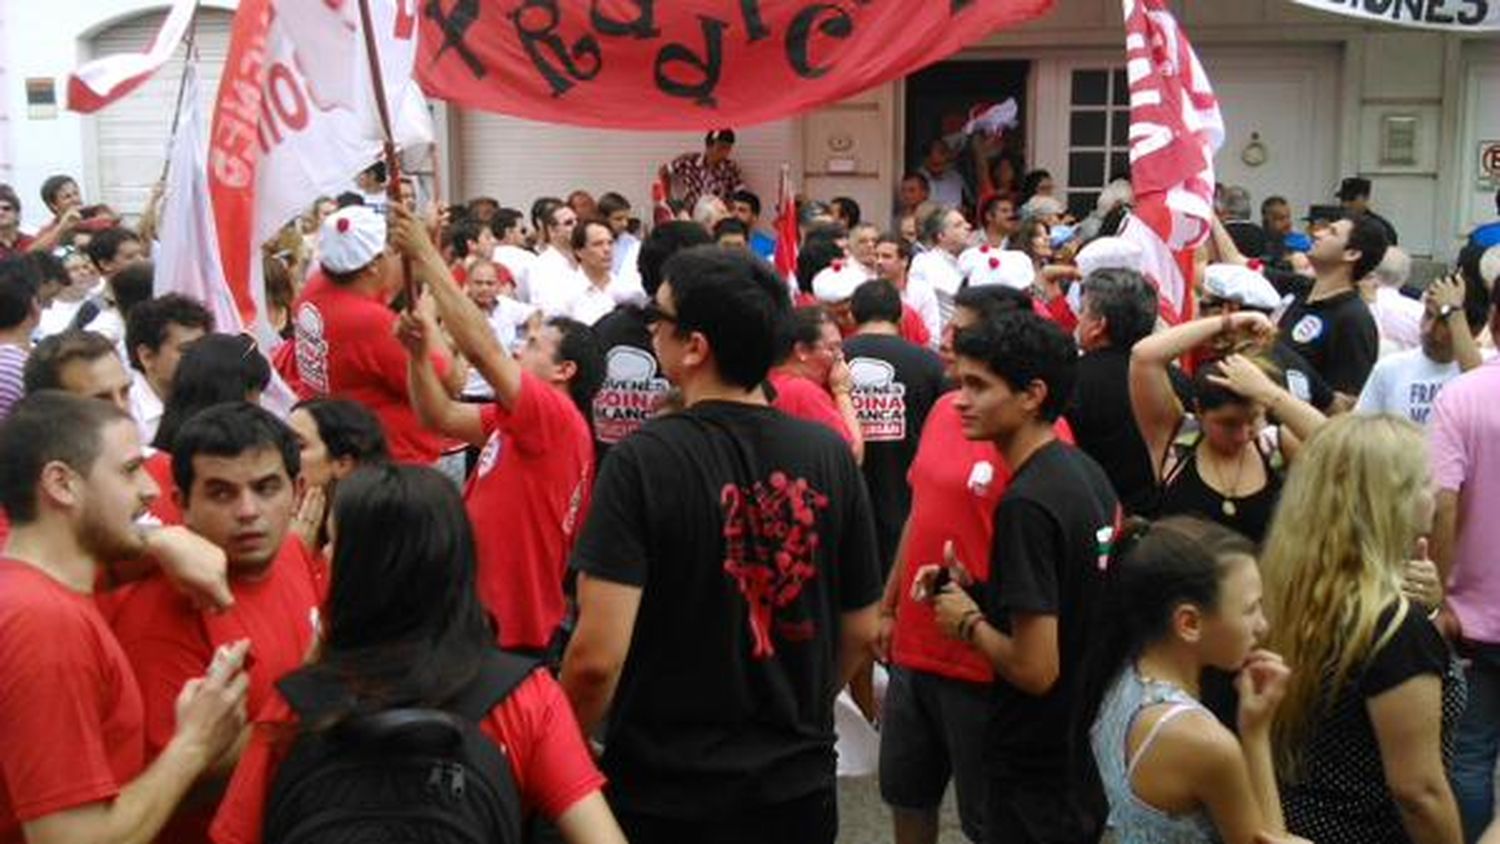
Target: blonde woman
1361,745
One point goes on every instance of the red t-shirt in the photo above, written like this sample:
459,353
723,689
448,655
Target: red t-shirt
346,347
1059,311
164,507
953,497
168,642
528,495
534,726
800,397
17,249
70,710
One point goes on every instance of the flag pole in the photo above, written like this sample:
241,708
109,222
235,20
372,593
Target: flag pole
187,65
392,161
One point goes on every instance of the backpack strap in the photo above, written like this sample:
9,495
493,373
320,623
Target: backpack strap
313,695
499,675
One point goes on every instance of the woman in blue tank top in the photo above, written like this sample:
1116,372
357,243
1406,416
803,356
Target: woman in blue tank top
1185,595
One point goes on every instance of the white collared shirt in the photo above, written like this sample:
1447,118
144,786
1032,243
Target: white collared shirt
934,280
554,281
593,302
145,406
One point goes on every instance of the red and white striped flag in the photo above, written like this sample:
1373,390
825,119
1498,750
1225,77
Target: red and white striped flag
98,83
787,236
1175,129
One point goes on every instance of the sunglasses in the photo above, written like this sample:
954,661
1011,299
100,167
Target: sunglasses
655,314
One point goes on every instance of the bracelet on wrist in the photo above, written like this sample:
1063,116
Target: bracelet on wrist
967,624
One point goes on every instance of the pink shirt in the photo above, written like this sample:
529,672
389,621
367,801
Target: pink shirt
1465,431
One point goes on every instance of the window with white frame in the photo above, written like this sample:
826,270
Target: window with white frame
1098,135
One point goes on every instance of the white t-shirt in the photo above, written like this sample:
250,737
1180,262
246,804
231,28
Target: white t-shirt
56,318
519,261
627,250
1405,384
946,190
1399,319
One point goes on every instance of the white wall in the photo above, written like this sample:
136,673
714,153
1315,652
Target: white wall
1384,70
49,39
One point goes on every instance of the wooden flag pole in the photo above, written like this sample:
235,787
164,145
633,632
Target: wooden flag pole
392,161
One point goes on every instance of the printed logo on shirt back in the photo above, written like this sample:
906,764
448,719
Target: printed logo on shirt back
879,400
629,395
312,349
770,541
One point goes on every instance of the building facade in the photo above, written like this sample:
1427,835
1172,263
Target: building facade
1308,98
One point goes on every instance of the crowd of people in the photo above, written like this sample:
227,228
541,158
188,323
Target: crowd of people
562,524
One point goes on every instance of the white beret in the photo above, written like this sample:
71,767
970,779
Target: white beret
1005,267
350,239
1243,285
1110,253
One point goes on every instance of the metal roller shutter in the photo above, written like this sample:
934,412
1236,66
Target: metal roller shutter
517,160
130,136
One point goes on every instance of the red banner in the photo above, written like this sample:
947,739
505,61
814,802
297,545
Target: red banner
686,64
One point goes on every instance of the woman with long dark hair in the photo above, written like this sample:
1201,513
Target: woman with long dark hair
1219,459
1184,595
403,628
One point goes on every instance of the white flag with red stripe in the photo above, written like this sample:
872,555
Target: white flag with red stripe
285,131
98,83
1175,129
187,261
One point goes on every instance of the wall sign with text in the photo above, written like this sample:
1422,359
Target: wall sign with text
1452,15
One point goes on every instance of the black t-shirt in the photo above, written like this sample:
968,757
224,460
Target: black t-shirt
1337,336
895,385
1299,377
1341,796
633,386
1390,230
1104,425
749,533
1053,532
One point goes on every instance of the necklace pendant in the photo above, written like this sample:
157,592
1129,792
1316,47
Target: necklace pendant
1229,508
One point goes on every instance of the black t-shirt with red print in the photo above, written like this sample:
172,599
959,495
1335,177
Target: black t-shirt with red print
749,533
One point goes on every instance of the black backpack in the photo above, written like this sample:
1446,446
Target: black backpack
401,775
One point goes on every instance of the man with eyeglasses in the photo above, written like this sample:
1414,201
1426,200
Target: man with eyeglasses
727,582
13,241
